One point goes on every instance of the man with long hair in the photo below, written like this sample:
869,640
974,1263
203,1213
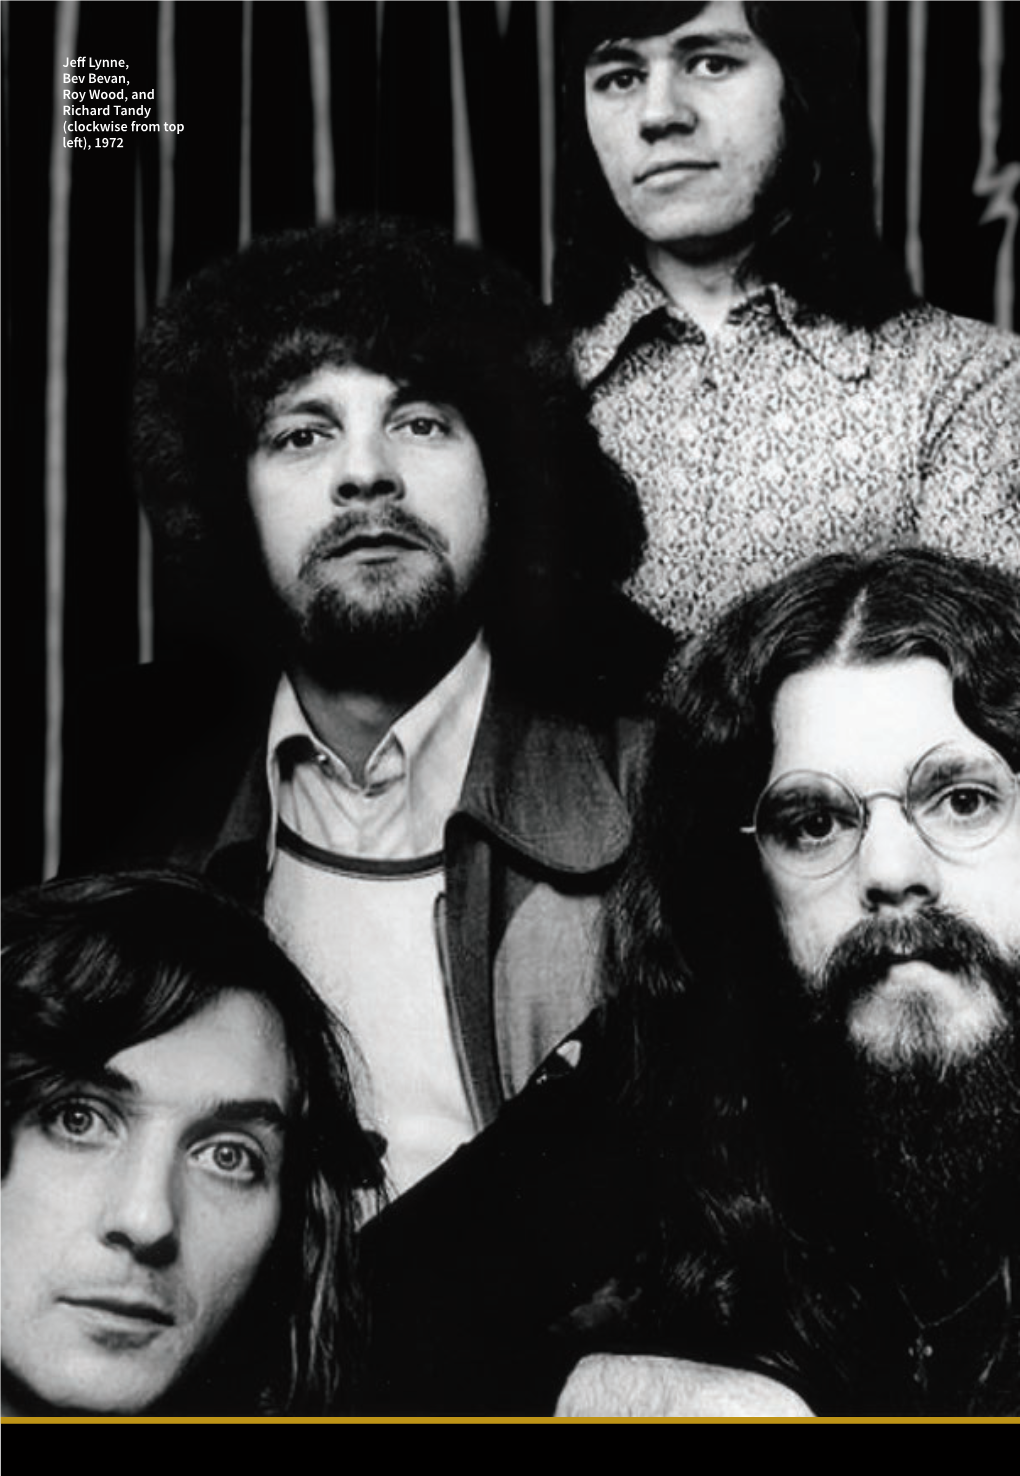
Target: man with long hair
182,1163
753,359
785,1150
832,867
368,456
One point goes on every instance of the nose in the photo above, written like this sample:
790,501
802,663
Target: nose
367,469
140,1212
666,106
897,870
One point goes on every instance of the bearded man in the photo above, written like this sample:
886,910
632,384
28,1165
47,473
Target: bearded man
776,1174
852,739
363,443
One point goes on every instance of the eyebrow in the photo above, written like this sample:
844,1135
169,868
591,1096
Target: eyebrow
407,394
253,1111
627,51
297,407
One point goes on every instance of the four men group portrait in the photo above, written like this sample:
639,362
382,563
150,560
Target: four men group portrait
550,944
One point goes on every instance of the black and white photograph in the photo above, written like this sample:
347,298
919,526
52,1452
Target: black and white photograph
511,896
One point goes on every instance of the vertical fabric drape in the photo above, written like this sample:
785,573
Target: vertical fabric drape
322,112
466,225
547,136
56,449
997,181
915,140
878,53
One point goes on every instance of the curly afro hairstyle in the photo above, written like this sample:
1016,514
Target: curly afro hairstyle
447,319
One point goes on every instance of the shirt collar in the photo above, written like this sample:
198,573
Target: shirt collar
530,776
643,306
429,746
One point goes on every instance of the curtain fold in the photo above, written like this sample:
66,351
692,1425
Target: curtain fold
55,487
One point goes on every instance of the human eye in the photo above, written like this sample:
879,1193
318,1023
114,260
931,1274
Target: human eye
616,80
78,1122
232,1160
961,798
424,424
965,807
804,823
297,438
713,66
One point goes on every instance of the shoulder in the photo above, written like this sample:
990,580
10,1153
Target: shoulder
523,733
948,344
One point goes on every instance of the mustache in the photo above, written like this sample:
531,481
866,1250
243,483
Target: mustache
392,521
933,935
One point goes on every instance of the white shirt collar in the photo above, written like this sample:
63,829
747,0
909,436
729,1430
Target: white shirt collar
416,772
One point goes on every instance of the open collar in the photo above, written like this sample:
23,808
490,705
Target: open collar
538,782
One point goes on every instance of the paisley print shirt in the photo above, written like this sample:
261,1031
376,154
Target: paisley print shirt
789,434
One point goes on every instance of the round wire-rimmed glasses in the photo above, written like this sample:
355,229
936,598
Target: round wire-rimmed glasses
958,797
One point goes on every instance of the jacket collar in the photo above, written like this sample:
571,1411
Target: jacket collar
539,783
643,309
536,781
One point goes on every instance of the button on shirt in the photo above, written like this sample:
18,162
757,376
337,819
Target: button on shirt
788,434
355,896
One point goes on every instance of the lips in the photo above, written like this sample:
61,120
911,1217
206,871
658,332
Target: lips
675,166
131,1309
374,542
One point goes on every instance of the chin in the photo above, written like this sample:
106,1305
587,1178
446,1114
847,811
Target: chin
929,1018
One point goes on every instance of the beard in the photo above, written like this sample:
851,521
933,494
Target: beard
388,627
927,1114
965,995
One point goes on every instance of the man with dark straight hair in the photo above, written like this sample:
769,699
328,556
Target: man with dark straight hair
183,1171
753,359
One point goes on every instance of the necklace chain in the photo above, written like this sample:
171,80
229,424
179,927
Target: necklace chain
922,1346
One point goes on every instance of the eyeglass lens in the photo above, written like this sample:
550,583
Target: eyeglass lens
959,798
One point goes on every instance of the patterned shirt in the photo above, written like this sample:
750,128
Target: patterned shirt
788,434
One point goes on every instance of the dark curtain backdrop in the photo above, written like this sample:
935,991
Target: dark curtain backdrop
295,112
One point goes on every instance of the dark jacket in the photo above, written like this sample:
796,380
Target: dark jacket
543,824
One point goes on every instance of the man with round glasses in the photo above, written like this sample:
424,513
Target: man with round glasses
888,842
837,1094
814,1038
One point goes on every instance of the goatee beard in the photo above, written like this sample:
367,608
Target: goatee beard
396,634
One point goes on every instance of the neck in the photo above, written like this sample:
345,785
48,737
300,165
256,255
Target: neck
350,722
346,707
704,290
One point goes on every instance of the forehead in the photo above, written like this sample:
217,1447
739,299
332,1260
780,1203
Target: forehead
866,724
234,1050
721,21
347,384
